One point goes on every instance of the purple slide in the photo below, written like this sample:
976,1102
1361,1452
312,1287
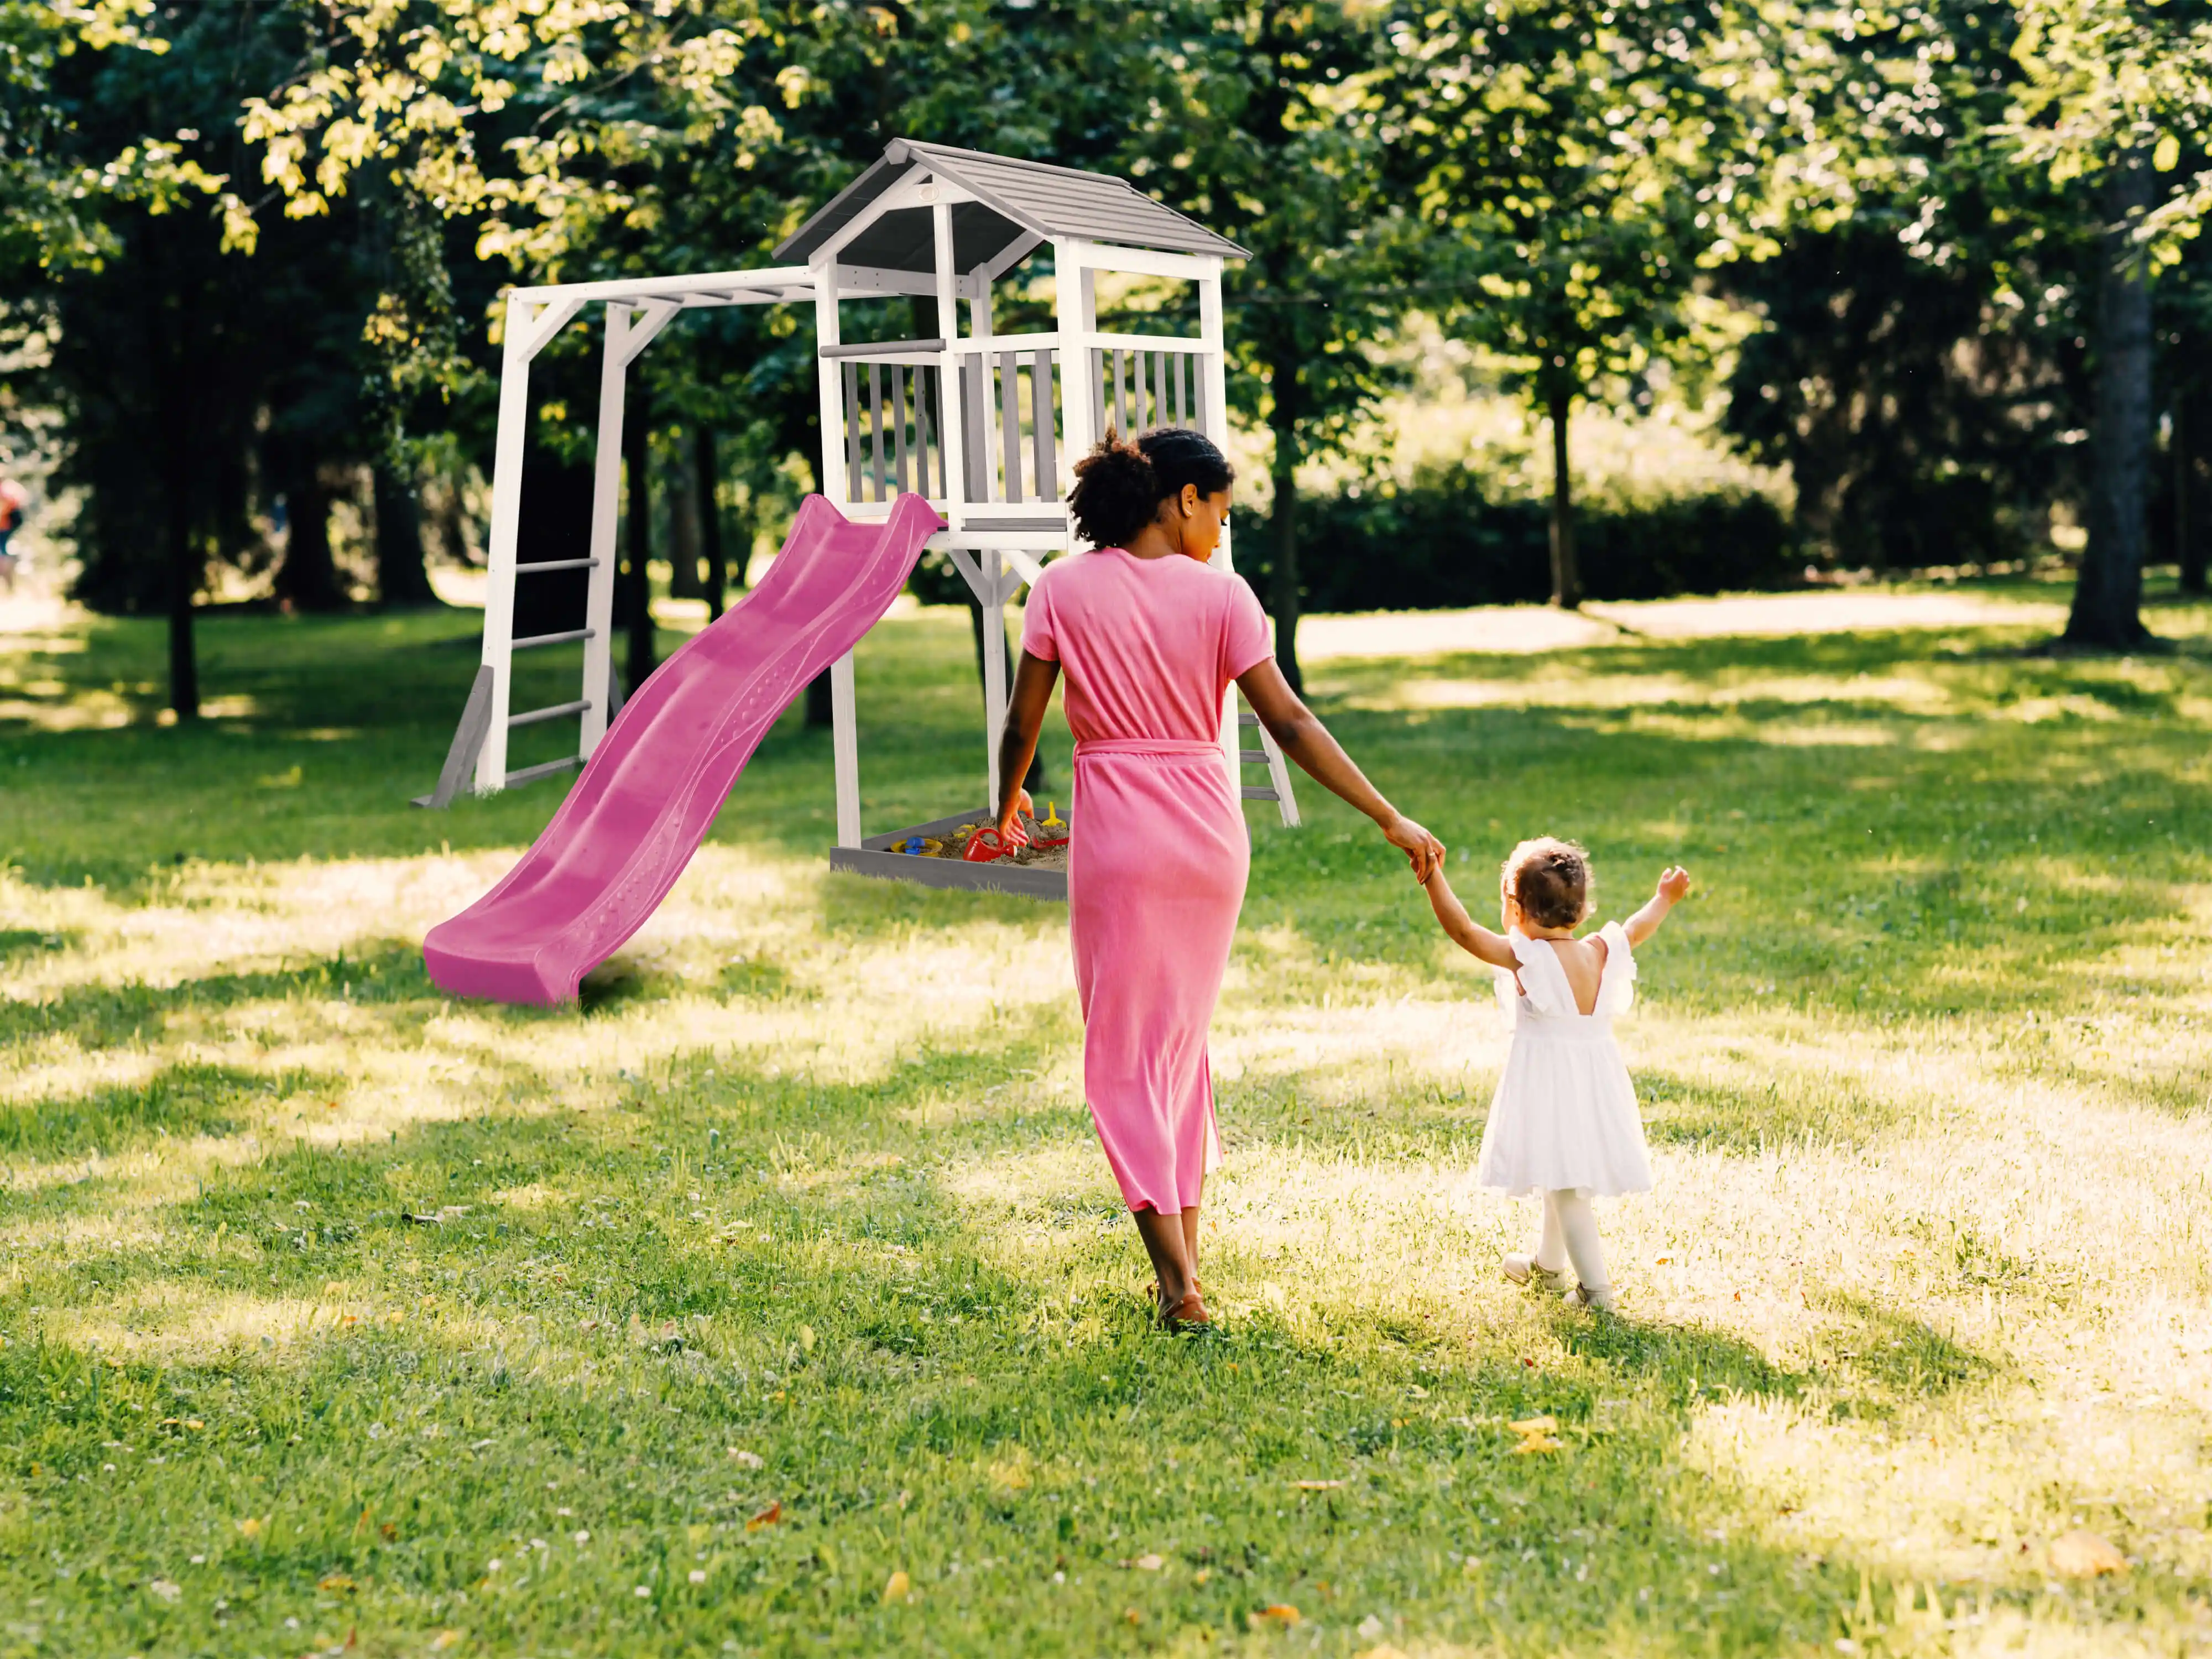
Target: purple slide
632,821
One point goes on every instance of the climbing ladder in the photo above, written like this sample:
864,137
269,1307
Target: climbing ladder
1278,786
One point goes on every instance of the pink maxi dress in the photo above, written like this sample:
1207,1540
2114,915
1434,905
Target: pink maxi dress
1159,855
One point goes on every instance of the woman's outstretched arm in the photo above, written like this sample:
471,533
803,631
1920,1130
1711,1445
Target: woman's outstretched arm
1017,741
1300,735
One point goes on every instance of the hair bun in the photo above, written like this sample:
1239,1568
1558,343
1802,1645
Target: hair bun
1120,484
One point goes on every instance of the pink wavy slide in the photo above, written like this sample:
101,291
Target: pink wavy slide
632,821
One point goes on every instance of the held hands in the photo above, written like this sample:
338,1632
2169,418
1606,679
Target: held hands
1673,884
1422,850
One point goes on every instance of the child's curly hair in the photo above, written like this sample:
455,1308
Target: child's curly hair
1550,879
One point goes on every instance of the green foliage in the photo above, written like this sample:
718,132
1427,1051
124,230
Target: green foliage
1575,169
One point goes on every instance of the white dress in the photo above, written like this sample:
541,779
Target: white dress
1564,1115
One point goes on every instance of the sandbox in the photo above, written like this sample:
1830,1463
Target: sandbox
1032,871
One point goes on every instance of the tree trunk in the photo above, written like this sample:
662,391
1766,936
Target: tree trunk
708,475
1566,574
2188,526
680,490
2108,593
637,572
1283,521
184,583
402,578
308,580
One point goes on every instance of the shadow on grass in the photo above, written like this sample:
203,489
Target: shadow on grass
177,1101
746,1295
103,1016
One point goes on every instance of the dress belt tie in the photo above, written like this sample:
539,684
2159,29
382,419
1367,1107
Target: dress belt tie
1167,746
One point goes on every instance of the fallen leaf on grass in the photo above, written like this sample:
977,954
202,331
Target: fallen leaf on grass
767,1517
337,1581
897,1587
1281,1615
444,1639
2080,1554
1317,1486
167,1589
1145,1564
746,1460
1535,1426
1132,1614
251,1527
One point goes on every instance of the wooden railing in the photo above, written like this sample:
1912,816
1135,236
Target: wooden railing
894,444
1013,429
1012,452
1165,389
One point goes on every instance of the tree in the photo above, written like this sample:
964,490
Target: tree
1261,126
1575,167
2109,96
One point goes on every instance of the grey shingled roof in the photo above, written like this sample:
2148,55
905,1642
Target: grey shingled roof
1014,198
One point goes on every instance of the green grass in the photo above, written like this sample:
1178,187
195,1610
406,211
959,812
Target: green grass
337,1311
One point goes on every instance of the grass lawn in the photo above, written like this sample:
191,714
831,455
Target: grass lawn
779,1301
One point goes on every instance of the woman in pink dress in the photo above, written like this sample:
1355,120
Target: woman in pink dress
1150,639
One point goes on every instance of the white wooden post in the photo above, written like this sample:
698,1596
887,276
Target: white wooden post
606,493
1074,310
506,509
986,401
844,726
952,433
994,664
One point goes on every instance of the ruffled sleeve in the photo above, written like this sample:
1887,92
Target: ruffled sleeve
1542,980
1617,989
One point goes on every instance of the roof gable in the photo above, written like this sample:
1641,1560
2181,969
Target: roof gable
1014,200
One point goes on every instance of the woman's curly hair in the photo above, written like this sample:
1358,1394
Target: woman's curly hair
1120,484
1550,879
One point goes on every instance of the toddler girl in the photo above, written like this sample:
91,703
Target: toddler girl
1565,1122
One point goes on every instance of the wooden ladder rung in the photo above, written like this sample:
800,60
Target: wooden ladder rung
531,773
550,712
536,639
1259,793
1253,756
555,564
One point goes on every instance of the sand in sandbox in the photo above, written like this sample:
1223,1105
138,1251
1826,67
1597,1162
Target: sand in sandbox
1031,857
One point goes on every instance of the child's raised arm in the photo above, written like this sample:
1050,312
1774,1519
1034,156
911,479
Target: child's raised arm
1672,884
1466,932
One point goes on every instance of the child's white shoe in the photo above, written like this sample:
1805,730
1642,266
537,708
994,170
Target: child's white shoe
1520,1268
1583,1297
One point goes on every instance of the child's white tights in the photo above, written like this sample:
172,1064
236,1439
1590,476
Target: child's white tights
1569,1234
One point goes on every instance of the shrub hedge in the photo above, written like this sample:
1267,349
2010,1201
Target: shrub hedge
1449,539
1445,541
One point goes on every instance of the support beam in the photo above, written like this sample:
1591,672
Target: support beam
952,425
606,495
521,340
845,750
995,668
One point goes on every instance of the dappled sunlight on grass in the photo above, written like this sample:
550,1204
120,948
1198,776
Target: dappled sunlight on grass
801,1207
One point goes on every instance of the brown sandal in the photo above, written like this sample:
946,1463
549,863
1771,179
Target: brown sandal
1188,1315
